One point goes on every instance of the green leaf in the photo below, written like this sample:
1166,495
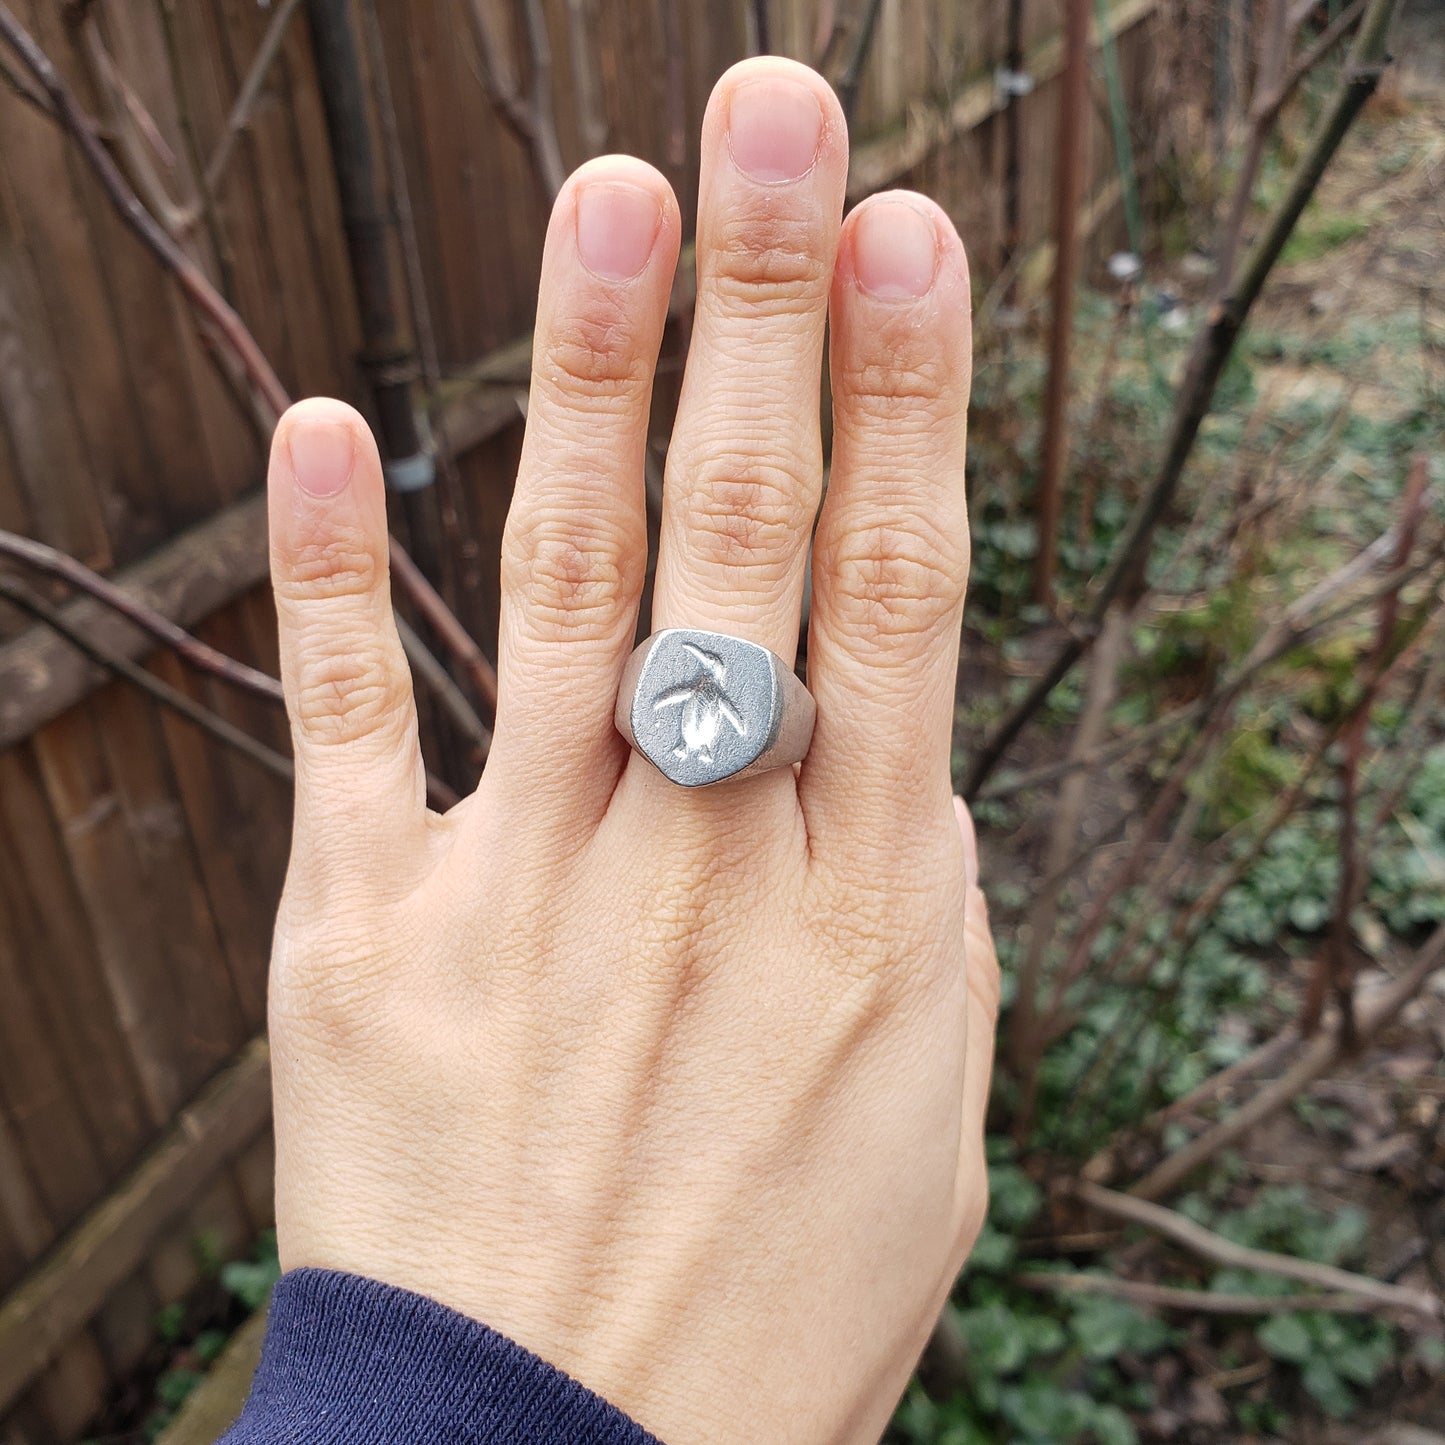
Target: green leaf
1043,1335
1041,1411
995,1341
1286,1338
993,1253
1326,1388
1113,1427
209,1344
1105,1328
1014,1198
251,1281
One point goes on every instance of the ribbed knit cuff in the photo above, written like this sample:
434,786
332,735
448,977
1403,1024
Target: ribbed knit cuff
350,1360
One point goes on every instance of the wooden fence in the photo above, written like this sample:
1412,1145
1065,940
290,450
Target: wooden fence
139,862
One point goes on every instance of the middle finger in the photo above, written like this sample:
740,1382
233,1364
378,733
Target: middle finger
745,464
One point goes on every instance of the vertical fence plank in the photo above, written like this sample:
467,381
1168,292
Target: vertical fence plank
37,404
47,915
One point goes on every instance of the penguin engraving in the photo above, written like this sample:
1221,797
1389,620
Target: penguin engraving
705,707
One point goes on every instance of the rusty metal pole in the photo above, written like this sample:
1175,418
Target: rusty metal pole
1073,121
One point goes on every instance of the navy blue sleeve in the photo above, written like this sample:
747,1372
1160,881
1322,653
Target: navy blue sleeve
349,1360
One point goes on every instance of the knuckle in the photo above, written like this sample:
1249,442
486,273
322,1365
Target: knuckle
345,690
593,355
345,563
767,264
895,385
575,580
891,580
747,512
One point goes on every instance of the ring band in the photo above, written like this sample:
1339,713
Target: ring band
705,706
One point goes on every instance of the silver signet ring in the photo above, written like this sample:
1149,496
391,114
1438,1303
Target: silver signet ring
705,706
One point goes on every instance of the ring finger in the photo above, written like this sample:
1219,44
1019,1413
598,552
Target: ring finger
744,468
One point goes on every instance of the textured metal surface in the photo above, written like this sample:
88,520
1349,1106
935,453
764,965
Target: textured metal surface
705,706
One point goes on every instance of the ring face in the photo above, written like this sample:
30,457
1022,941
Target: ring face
704,706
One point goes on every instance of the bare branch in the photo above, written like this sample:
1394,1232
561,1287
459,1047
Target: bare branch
187,646
1025,1039
1266,83
443,621
1194,1301
190,648
592,118
1214,1247
439,682
852,77
533,119
168,696
1321,1055
249,93
1334,971
131,132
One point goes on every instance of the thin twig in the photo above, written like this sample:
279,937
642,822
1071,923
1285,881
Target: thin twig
1265,1056
532,119
1335,968
190,648
1288,633
1412,746
591,114
438,794
443,621
193,282
131,135
1189,924
1193,1301
453,700
849,81
249,93
1219,1250
1010,784
1025,1039
1322,1053
1267,82
168,696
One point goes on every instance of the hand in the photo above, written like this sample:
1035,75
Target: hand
683,1091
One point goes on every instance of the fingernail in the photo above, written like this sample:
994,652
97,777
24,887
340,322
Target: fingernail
774,127
895,251
617,226
323,455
